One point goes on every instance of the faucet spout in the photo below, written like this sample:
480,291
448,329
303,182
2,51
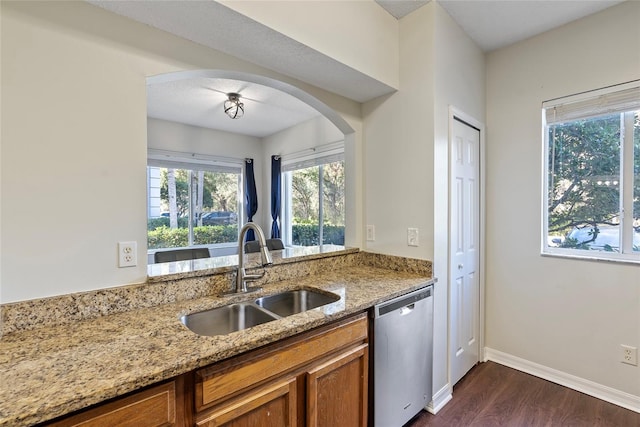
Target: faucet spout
242,277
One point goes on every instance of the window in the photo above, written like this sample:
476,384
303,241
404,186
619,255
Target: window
592,168
313,202
193,201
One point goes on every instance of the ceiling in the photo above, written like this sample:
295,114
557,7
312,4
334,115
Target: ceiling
492,24
200,102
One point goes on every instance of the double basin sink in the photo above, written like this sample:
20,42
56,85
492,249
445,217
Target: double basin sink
238,316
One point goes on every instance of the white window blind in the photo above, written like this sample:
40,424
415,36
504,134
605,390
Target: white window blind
313,157
179,160
616,99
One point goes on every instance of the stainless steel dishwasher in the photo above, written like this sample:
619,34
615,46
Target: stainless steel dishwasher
402,357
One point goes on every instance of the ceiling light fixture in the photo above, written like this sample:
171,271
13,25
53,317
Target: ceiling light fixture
233,107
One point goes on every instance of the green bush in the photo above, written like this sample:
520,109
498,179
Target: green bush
209,234
165,237
153,223
307,234
161,236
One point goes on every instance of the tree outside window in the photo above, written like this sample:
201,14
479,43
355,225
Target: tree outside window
193,207
593,184
317,204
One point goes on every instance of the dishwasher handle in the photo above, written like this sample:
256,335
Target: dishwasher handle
403,302
407,309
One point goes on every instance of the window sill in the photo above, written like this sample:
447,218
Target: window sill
593,258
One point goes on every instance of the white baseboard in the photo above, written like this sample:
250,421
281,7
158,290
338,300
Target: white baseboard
608,394
440,398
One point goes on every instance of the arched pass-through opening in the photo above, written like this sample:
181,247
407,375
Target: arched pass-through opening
352,235
303,96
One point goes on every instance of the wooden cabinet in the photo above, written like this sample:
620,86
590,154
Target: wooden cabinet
337,390
274,405
316,379
154,407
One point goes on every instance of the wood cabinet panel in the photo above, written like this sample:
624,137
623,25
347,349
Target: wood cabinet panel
337,390
153,407
274,405
221,382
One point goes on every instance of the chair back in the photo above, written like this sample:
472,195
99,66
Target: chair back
181,254
254,246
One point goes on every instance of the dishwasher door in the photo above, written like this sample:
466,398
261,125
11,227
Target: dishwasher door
403,356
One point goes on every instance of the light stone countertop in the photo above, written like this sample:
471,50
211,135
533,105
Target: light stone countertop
204,266
54,370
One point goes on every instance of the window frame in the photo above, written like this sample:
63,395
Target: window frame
194,162
626,178
314,157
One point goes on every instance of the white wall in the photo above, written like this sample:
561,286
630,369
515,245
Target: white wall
399,147
337,29
459,82
74,141
569,315
406,156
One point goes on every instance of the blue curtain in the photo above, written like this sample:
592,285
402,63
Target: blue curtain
275,196
250,195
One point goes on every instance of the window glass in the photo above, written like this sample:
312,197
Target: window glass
584,184
216,207
191,207
636,181
315,202
593,174
333,203
305,206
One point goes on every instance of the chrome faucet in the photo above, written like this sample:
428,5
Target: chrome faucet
242,277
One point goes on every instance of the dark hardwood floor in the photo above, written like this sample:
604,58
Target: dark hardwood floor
494,395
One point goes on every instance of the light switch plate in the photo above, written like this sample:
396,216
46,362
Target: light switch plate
371,233
412,237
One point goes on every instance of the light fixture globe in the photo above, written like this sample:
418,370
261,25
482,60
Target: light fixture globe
233,107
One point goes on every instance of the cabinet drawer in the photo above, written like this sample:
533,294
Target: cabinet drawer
273,405
153,407
221,382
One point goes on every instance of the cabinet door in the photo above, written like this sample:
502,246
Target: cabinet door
337,390
272,405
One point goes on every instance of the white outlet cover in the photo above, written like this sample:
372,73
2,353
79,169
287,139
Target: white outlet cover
127,254
629,355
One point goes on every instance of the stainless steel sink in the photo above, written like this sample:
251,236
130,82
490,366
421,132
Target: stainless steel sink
292,302
226,319
236,317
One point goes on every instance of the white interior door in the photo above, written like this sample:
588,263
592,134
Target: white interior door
465,248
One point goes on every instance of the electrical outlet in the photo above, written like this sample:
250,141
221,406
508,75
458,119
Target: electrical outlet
629,355
371,233
412,237
127,254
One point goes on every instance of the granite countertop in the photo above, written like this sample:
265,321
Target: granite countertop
51,371
204,266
